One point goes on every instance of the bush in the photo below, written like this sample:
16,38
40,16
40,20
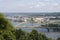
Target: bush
58,38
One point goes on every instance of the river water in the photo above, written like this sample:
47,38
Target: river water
53,35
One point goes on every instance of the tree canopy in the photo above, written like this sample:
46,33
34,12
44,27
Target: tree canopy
6,29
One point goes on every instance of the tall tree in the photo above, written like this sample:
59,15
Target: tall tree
6,29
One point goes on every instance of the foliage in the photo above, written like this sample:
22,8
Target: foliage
34,35
19,34
6,29
58,38
54,26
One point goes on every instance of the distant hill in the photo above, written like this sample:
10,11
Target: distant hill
34,14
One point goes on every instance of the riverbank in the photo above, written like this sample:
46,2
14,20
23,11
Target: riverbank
53,35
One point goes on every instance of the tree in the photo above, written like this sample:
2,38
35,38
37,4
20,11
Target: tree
34,35
20,35
58,38
7,31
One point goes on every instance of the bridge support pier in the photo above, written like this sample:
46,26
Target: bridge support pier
48,29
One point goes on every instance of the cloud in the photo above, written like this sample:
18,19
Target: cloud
37,5
42,4
29,5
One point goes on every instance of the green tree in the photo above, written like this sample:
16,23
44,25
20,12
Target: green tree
58,38
7,31
34,35
20,35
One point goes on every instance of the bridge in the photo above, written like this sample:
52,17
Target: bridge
48,28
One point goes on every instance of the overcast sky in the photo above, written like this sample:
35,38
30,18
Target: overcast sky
29,5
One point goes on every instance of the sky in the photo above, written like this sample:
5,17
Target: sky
29,5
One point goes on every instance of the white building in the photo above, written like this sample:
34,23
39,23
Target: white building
42,19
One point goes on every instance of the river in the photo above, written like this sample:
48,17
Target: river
53,35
